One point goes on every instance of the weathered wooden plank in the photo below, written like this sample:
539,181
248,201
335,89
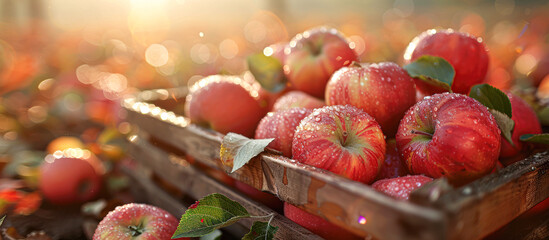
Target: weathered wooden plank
197,184
489,203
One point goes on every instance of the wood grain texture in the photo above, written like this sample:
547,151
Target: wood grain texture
198,185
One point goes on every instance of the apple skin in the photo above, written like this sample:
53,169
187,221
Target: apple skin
383,90
281,126
67,180
313,56
341,139
465,141
316,224
268,199
401,187
297,99
392,166
466,53
155,223
526,122
225,104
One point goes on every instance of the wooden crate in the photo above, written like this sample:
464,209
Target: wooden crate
435,211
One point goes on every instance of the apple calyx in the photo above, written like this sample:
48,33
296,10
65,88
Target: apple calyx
315,49
136,230
355,64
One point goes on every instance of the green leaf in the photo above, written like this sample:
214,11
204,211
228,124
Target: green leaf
535,138
505,124
2,220
215,235
208,214
492,98
433,70
268,71
237,150
261,230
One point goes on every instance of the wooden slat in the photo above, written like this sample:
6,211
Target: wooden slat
198,185
320,192
489,203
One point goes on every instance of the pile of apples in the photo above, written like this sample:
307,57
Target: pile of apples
369,122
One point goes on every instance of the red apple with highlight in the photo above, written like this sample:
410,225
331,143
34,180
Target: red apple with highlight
466,53
297,99
341,139
401,187
281,126
392,166
313,56
225,104
449,135
383,90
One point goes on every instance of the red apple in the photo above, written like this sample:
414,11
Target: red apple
383,90
401,187
449,135
281,126
466,53
392,166
225,104
266,198
313,56
316,224
297,99
136,221
70,179
341,139
526,122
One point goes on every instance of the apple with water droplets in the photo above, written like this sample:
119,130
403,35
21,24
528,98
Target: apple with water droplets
281,126
466,53
401,187
313,56
342,139
137,222
392,166
297,99
383,90
449,135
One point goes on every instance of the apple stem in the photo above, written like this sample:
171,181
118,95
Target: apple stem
136,230
422,133
355,64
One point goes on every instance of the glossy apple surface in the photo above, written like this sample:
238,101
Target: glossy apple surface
449,135
297,99
281,126
526,122
225,104
392,166
341,139
401,187
136,222
466,53
313,56
383,90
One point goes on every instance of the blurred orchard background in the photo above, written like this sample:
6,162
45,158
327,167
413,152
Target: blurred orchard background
65,64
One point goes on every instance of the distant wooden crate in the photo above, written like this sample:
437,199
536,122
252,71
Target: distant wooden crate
435,211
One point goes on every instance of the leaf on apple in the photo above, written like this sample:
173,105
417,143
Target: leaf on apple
535,138
432,70
492,98
237,150
498,104
208,214
268,71
261,230
215,235
505,124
